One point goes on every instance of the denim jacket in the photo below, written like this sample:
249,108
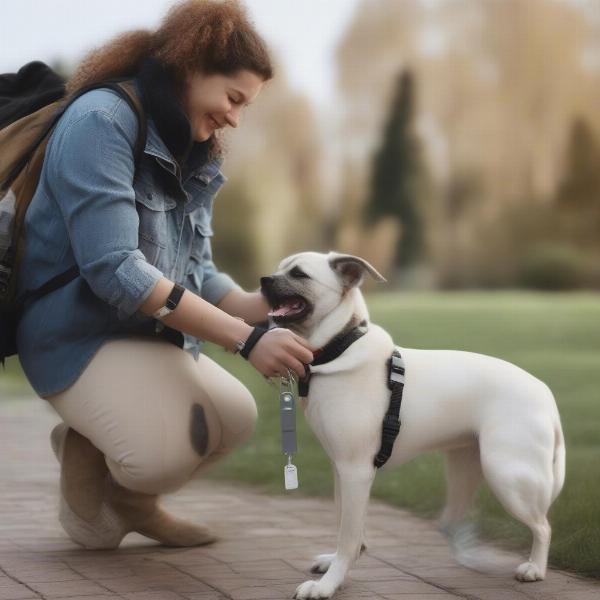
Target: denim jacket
124,235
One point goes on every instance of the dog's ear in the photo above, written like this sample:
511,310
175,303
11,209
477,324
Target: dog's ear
351,269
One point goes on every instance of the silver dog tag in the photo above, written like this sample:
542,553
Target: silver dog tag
290,475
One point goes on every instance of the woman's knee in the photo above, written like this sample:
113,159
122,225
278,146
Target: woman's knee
149,475
239,423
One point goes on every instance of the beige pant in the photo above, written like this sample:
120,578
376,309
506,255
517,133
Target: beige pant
156,413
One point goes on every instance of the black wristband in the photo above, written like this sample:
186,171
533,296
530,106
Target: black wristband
175,297
253,338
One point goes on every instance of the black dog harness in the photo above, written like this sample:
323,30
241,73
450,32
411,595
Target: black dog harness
336,347
391,420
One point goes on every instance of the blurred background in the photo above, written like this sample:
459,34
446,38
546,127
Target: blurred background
455,144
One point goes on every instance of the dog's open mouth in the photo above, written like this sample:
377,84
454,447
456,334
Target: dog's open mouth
292,308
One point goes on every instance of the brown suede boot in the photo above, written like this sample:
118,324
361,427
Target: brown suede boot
85,514
143,514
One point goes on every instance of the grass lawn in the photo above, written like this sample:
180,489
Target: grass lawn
554,336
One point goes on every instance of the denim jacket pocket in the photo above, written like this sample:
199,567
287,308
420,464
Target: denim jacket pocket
200,245
152,206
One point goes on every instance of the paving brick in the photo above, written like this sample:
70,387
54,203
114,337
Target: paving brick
401,587
16,591
93,597
68,588
208,595
266,546
158,595
438,596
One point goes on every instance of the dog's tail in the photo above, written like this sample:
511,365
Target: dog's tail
558,463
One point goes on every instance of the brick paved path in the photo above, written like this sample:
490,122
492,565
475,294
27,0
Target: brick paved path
265,549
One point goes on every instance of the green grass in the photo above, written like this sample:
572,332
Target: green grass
12,381
554,336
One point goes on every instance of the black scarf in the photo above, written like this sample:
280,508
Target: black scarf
162,104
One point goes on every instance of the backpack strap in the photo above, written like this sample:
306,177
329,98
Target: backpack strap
125,89
128,92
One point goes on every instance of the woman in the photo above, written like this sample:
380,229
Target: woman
140,415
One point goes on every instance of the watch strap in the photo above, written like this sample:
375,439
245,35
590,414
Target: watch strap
252,340
171,303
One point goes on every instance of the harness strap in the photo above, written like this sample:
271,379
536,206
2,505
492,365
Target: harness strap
391,421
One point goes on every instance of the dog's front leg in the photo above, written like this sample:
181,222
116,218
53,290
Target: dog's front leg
354,489
322,562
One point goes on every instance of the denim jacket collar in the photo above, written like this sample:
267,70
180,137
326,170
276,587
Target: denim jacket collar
205,171
169,135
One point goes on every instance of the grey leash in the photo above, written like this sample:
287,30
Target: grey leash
287,416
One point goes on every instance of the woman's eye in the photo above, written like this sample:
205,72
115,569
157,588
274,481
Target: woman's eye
296,272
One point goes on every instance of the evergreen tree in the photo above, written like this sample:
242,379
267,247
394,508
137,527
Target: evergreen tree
398,176
578,195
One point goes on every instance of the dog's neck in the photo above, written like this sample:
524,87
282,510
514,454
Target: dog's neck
349,313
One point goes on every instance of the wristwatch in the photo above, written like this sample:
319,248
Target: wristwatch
172,302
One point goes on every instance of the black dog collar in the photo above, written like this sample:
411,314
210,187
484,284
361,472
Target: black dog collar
332,350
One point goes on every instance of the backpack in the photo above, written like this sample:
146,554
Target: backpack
31,103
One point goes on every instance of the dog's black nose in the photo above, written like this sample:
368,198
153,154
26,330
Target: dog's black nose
266,281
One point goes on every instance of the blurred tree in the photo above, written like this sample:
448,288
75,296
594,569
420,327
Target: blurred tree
578,195
234,247
381,40
499,83
275,157
398,174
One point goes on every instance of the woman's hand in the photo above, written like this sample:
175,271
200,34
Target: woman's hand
279,350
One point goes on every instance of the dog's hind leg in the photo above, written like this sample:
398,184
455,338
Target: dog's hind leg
322,561
463,476
522,480
355,482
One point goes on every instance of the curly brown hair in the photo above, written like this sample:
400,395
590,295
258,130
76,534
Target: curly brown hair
212,36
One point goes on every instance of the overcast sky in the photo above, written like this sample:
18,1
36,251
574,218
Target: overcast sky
303,33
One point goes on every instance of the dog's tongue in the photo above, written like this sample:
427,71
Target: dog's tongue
286,309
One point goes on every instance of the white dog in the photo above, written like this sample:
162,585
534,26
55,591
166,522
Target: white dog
490,417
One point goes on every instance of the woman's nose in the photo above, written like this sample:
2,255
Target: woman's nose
232,118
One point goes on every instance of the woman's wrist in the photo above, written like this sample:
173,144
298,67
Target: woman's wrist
252,340
239,333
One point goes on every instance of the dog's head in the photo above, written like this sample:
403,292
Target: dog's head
309,287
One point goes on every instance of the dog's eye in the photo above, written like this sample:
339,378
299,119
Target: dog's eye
297,273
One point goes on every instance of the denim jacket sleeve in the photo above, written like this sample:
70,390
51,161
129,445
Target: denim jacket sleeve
90,170
215,284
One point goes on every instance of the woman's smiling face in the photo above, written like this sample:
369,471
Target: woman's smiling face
215,101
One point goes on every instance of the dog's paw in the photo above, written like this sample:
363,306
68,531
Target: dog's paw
314,590
529,571
322,563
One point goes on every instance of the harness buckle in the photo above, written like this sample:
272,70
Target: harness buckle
396,370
